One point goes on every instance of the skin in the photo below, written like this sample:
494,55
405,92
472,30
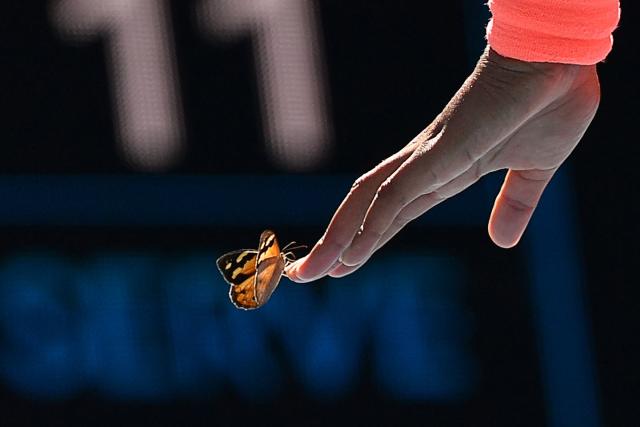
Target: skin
509,114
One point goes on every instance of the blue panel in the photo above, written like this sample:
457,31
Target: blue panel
199,356
140,200
141,326
119,325
37,327
420,331
559,309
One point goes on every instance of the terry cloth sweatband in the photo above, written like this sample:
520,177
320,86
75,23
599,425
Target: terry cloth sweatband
564,31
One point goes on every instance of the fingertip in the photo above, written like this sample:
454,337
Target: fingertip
501,241
296,279
300,271
515,205
505,233
293,271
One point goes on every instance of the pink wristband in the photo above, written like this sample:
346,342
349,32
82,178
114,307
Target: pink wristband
565,31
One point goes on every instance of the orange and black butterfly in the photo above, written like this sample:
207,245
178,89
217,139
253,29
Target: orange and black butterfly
255,274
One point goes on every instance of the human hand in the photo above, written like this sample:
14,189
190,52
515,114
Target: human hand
509,114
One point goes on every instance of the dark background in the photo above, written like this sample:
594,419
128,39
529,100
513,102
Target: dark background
113,312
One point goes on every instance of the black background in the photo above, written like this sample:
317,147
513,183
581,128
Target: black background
392,66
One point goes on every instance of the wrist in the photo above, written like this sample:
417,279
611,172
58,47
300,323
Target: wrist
564,75
530,84
520,66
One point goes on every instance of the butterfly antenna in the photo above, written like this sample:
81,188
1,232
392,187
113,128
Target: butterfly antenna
289,257
290,247
288,254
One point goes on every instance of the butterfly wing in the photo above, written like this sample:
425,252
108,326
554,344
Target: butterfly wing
269,267
268,276
237,266
244,295
239,269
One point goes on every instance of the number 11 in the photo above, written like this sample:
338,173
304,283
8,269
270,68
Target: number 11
145,87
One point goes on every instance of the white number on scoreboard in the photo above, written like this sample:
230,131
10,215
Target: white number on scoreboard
146,95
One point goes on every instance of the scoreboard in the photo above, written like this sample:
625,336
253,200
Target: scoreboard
219,86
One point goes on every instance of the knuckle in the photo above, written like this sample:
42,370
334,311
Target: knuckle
373,233
332,244
388,192
469,154
358,182
361,183
437,196
477,171
433,179
535,176
519,205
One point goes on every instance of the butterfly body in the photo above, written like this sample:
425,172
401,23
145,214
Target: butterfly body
253,274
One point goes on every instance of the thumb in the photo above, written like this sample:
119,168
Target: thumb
515,204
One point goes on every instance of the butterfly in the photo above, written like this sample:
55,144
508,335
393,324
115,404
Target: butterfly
255,274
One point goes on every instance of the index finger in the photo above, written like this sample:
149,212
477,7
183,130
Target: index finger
345,222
